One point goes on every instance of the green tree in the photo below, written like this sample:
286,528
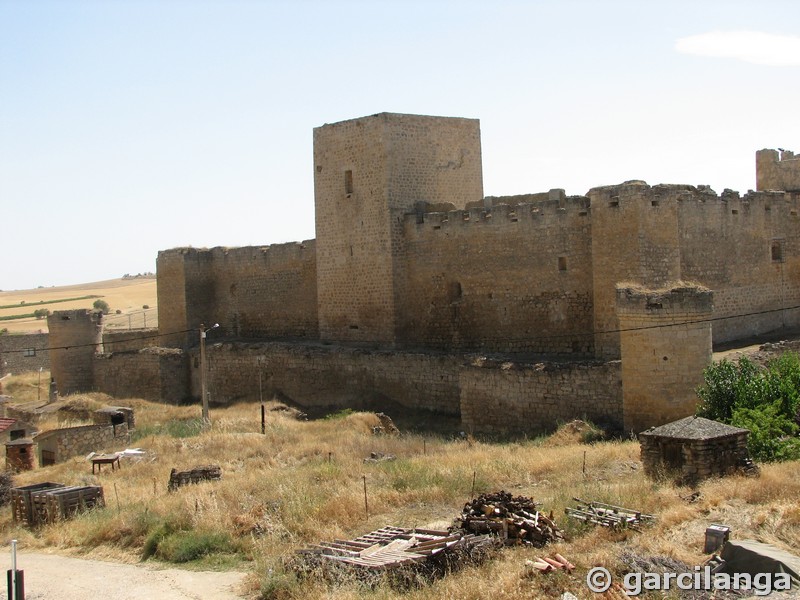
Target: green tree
102,306
41,313
765,401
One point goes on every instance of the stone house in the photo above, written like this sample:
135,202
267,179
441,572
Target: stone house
695,447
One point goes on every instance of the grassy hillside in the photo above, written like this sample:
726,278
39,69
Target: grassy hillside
302,482
127,295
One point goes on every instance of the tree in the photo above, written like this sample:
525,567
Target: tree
765,401
101,306
41,313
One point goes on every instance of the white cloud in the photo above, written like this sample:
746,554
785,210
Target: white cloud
754,47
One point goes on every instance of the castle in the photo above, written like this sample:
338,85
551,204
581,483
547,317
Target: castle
513,312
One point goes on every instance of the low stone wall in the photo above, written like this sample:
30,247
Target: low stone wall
499,397
158,374
77,441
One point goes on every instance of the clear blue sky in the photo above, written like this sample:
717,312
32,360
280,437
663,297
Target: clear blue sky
130,127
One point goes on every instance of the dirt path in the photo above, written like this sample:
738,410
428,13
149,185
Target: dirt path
52,577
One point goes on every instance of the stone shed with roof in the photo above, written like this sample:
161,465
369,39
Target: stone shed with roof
695,447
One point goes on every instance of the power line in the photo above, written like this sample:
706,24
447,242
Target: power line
536,338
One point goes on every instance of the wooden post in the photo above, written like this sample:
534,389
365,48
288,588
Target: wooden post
263,420
472,495
117,495
584,463
366,504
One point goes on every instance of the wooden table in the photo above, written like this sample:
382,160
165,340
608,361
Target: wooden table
105,459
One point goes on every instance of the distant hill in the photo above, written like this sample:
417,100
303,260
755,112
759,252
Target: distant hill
129,295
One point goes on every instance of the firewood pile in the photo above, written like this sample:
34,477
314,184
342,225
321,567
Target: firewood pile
608,515
516,520
193,475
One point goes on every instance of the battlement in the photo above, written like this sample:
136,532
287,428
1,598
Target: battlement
271,252
494,212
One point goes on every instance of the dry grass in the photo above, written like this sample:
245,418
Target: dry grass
302,482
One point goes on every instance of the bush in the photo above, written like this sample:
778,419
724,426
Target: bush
41,313
101,306
145,306
765,401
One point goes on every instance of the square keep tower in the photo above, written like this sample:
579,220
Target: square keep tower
368,173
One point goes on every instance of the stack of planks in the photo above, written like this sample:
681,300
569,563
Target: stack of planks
517,520
391,547
608,515
193,475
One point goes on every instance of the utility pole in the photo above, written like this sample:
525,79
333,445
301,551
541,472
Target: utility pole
203,392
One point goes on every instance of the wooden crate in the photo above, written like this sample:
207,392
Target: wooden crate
22,504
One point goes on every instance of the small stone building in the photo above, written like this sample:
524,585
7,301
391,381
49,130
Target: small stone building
695,447
58,445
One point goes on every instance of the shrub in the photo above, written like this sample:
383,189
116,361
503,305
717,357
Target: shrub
145,306
101,306
41,313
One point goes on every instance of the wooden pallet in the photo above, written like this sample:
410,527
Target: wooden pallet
390,547
22,504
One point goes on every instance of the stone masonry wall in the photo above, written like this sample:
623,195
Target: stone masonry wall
510,278
368,173
115,340
330,376
15,350
497,396
252,292
747,250
157,374
81,440
776,171
666,344
75,336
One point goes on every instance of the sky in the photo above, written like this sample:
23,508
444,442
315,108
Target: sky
129,127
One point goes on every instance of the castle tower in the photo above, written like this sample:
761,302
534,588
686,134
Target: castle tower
666,343
777,171
634,240
75,337
368,173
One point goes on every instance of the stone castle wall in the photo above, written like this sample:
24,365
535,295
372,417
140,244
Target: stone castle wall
508,278
252,292
317,375
665,345
157,374
498,397
368,173
24,352
116,340
75,336
777,171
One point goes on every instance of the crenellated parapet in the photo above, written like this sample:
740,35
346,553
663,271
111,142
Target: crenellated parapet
253,292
